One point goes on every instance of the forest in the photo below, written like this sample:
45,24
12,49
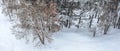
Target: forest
38,20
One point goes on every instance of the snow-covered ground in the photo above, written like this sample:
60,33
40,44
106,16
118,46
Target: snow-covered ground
65,40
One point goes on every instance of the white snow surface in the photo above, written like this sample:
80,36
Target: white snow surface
65,40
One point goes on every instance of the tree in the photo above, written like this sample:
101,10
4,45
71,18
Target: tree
32,17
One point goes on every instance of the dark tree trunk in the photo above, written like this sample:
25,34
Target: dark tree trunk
118,24
106,29
91,20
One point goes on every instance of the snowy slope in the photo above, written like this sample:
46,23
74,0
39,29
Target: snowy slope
5,36
65,40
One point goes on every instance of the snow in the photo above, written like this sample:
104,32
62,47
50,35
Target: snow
65,40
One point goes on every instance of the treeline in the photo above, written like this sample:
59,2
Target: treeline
36,20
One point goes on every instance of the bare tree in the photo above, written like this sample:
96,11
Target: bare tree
32,17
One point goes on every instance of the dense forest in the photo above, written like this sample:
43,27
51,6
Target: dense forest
39,19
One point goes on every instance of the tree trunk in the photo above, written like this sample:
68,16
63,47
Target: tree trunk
118,24
91,19
106,29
